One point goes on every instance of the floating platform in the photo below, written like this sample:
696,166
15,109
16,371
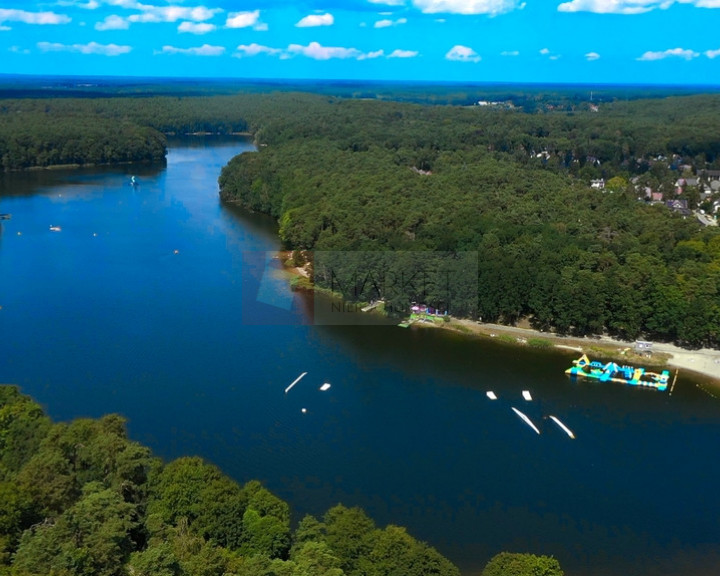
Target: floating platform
612,372
525,419
295,382
563,427
527,396
490,394
324,387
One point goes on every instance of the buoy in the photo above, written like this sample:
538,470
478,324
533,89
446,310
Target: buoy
490,394
304,410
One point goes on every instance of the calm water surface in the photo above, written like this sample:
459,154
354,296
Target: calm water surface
151,302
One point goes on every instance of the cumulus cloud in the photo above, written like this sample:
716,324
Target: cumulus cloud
403,54
113,22
510,53
590,56
255,49
673,53
544,51
204,50
196,27
491,7
629,6
463,54
90,48
371,55
245,20
388,23
712,53
388,2
316,51
316,20
172,13
25,17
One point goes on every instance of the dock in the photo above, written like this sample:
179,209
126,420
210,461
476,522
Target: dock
295,382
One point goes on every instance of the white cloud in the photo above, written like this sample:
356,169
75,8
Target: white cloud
388,2
172,13
42,18
91,48
629,6
90,5
590,56
387,23
255,49
712,53
463,54
510,53
113,22
673,53
403,54
196,27
491,7
544,51
316,20
246,20
371,55
4,28
18,50
317,52
204,50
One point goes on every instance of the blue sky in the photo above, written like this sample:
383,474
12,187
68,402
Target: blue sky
594,41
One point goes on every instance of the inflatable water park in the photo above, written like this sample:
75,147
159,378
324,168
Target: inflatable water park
612,372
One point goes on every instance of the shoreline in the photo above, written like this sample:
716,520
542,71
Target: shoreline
703,362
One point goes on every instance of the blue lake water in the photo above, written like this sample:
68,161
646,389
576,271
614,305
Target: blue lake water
151,301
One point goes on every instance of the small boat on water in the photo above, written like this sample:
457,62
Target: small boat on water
612,372
526,395
563,427
55,229
490,394
526,419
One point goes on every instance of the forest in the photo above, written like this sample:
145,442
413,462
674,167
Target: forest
81,498
506,181
513,188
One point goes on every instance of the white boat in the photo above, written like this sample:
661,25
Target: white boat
563,427
55,229
490,394
526,419
295,382
526,395
324,387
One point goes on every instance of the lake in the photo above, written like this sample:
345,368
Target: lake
158,302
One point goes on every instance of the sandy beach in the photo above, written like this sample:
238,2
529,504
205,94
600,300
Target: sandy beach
704,361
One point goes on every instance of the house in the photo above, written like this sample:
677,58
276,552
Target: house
597,184
679,206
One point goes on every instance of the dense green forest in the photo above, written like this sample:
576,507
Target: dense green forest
508,181
514,188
